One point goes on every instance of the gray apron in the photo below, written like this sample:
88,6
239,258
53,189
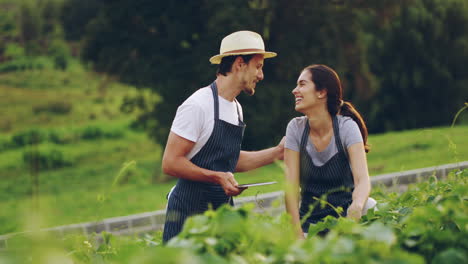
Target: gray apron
220,153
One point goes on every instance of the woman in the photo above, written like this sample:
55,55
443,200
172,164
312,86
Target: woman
325,152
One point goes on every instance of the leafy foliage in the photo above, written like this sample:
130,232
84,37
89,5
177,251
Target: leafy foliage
28,137
33,36
360,39
418,58
426,224
46,159
59,107
387,53
37,136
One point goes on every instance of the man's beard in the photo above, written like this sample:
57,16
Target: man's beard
249,91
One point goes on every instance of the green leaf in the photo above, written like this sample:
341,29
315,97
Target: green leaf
451,255
378,232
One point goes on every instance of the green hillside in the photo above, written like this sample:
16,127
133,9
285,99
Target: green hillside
84,139
93,165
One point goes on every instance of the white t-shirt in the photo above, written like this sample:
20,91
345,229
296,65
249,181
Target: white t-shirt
194,119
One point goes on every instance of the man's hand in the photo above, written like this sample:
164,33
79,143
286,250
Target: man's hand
229,184
354,212
280,148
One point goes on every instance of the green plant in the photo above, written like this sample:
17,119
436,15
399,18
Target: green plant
96,132
92,132
61,137
45,160
433,231
14,51
29,137
5,144
58,107
60,53
458,113
26,63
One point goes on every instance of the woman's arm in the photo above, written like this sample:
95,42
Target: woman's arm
362,187
291,160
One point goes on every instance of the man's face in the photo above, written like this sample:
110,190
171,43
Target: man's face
252,73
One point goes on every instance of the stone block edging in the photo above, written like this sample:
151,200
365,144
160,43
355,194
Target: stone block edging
151,221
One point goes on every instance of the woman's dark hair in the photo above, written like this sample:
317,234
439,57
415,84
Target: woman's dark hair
326,78
226,63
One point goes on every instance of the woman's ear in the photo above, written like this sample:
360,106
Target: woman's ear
322,94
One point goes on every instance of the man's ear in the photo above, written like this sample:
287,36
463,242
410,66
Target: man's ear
238,63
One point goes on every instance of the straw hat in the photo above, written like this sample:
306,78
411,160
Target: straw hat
241,43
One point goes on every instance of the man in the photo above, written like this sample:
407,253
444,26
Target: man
203,148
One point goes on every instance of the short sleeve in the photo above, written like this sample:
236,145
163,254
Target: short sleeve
239,107
293,139
352,134
188,122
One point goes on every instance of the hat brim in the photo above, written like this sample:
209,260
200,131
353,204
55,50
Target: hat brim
217,58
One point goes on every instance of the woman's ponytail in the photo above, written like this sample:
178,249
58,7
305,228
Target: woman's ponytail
347,109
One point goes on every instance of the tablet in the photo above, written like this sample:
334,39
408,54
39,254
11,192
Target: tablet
255,184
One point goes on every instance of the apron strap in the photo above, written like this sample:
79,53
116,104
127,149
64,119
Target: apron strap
305,136
238,113
214,89
336,132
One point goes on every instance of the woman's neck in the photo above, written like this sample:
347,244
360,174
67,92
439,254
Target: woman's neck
320,122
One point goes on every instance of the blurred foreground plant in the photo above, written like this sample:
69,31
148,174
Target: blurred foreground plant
428,223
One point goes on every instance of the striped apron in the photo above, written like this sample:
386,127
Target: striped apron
334,179
220,153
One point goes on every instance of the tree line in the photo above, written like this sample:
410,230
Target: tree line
402,62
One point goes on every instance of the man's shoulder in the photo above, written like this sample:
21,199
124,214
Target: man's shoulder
199,97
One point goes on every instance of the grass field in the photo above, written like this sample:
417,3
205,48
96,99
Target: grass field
89,140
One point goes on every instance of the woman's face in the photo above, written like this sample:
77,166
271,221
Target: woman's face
305,93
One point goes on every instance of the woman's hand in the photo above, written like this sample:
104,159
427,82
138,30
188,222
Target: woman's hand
300,235
354,211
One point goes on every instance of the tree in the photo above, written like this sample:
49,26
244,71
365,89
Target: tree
421,65
386,52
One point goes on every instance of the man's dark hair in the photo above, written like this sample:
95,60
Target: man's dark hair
226,63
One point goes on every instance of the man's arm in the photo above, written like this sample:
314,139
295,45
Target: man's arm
175,163
249,160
